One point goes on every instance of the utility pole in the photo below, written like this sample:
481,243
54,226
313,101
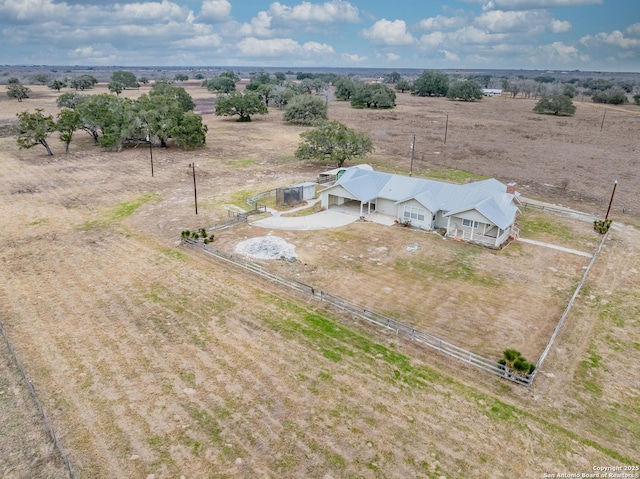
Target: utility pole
150,152
195,193
446,127
611,200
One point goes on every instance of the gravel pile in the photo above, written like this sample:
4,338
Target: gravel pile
267,247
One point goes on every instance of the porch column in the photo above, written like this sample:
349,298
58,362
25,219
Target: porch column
448,224
361,209
472,230
369,207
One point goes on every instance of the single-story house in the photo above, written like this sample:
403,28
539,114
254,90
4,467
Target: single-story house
492,91
481,212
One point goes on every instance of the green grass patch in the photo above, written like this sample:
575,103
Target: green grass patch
502,411
206,423
126,209
120,212
239,198
39,222
242,162
452,175
620,307
538,225
189,378
161,446
173,254
305,211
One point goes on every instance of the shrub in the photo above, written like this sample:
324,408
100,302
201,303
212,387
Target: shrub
602,226
513,361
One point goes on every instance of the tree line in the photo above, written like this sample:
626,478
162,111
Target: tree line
166,113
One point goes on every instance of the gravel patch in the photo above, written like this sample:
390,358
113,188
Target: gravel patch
267,247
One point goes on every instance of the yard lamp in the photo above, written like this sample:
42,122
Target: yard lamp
195,193
413,147
615,183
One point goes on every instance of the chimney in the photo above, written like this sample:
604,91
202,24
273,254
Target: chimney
511,188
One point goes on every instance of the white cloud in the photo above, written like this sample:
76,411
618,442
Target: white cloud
282,47
202,41
529,21
618,39
432,41
87,16
499,21
441,22
634,29
260,26
215,11
23,10
353,58
450,56
392,57
615,38
385,32
559,53
335,11
536,4
473,35
252,46
315,48
84,52
150,12
559,26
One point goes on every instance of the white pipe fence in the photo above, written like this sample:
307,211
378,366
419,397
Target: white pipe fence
401,329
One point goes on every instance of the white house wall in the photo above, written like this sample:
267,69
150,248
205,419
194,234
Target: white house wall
386,207
427,223
441,221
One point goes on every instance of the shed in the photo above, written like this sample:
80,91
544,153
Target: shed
308,190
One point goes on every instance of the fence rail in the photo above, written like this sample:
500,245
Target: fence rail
34,395
253,200
557,210
401,329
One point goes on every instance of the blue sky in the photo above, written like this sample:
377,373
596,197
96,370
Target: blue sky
602,35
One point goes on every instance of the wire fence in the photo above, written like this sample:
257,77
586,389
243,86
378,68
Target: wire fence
569,305
400,329
34,395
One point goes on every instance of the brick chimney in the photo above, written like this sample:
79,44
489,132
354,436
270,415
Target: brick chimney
512,187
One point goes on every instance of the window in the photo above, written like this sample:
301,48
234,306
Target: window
469,223
414,213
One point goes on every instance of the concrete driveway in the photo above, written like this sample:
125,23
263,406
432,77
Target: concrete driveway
317,221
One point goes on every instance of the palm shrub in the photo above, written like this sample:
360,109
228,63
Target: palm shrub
197,235
514,361
602,226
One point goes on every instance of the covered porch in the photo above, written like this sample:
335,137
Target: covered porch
475,231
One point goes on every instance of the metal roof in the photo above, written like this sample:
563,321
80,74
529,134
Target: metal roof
488,197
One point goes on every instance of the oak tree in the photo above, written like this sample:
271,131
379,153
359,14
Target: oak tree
333,141
34,128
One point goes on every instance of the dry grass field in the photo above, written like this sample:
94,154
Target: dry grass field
154,361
